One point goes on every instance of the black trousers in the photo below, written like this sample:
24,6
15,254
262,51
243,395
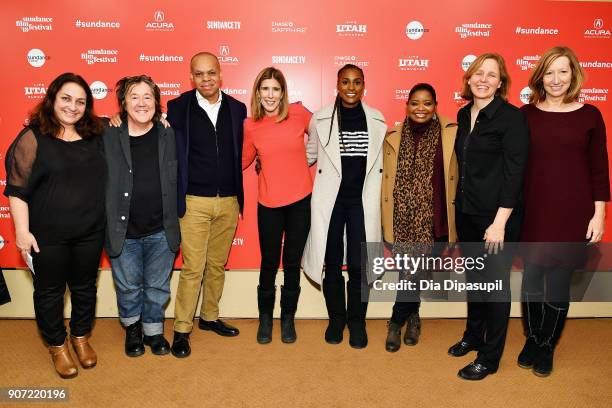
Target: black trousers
293,221
488,314
547,284
409,301
346,213
74,263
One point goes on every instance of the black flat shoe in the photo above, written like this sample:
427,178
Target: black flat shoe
475,372
180,345
461,348
159,345
134,345
222,329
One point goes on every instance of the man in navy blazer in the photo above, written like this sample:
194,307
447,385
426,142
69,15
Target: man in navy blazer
208,126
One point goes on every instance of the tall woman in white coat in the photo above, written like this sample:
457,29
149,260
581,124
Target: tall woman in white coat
346,142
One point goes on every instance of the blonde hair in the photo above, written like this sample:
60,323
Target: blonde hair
257,111
502,91
536,80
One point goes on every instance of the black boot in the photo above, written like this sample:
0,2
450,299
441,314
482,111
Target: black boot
134,344
336,310
356,313
532,323
552,326
289,300
265,302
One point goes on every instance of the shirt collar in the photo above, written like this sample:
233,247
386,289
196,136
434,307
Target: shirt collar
489,110
202,100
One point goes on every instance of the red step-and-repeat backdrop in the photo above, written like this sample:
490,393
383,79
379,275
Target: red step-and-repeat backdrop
398,43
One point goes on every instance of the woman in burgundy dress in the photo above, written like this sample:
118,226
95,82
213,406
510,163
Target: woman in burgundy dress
566,187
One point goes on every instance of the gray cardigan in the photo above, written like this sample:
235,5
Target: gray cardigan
120,181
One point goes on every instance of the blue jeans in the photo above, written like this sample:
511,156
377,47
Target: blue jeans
142,280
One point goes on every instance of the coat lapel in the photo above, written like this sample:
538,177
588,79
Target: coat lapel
161,146
329,141
124,140
376,134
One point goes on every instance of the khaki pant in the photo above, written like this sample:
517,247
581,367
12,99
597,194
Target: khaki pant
207,232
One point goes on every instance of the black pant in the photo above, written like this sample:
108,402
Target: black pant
76,264
409,301
349,213
294,221
547,284
487,320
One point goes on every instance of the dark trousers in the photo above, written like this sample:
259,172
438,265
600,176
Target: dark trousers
547,284
293,221
74,263
409,301
487,314
346,213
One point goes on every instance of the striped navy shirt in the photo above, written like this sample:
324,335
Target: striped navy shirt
353,151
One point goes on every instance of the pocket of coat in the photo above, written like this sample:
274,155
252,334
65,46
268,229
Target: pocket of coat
172,171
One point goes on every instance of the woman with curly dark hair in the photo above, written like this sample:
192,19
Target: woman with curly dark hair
56,176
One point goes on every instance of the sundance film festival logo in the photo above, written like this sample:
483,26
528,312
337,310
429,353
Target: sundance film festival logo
159,23
351,29
169,88
527,62
5,212
598,30
96,24
99,89
35,91
593,95
37,58
100,56
35,23
467,61
415,30
469,30
596,64
235,91
342,60
288,59
413,63
225,56
525,95
287,27
223,25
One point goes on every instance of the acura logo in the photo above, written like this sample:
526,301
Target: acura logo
598,23
159,16
224,50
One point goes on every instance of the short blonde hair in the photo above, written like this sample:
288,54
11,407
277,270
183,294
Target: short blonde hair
257,111
502,91
536,80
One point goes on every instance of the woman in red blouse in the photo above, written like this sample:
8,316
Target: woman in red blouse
566,187
275,134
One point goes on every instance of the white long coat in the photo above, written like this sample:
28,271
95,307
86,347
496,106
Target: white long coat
327,183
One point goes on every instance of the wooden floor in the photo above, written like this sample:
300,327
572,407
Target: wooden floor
238,372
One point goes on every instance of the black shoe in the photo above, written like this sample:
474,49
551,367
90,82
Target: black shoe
159,345
134,345
394,333
475,371
180,345
335,331
289,301
264,331
543,363
335,300
413,330
222,329
528,354
461,348
288,334
358,337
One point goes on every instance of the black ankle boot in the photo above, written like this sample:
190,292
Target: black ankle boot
289,300
552,326
265,302
336,310
532,321
356,313
134,344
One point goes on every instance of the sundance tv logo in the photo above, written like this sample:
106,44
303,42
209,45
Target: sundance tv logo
351,29
598,30
37,58
415,30
288,59
223,25
413,63
35,91
35,23
159,23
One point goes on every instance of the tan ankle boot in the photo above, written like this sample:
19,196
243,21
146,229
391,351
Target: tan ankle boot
62,360
87,356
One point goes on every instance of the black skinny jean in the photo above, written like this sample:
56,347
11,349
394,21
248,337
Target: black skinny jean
488,314
293,221
74,263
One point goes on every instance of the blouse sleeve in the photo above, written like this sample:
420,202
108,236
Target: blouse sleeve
598,158
19,163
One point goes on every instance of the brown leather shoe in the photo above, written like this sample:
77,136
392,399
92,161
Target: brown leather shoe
413,330
393,342
62,360
87,356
